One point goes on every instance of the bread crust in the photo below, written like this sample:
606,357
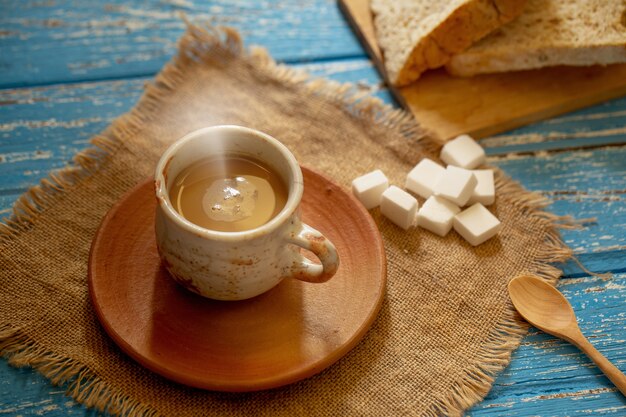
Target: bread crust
465,25
550,33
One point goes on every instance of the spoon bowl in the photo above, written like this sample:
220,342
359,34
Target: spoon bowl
546,308
541,304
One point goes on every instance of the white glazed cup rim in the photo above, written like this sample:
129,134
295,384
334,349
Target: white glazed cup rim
296,186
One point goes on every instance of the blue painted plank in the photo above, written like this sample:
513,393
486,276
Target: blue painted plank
599,125
42,128
582,184
601,261
44,42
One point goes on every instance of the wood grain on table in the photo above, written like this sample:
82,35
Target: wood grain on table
68,68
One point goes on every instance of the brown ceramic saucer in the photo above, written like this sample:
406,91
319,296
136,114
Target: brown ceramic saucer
284,335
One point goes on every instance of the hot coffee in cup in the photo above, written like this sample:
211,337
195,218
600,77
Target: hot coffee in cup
227,222
230,193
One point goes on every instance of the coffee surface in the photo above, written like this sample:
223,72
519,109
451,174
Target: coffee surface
230,193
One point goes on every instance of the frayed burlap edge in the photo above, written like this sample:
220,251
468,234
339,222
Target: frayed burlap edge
80,383
203,43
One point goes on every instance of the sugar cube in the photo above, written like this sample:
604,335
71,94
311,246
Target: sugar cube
436,215
399,206
456,184
423,177
369,188
476,224
464,152
485,191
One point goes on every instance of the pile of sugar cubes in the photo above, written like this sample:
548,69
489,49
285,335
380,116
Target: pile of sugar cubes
446,190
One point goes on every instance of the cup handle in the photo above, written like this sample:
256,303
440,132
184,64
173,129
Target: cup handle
304,270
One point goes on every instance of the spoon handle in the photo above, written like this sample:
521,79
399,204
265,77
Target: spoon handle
610,370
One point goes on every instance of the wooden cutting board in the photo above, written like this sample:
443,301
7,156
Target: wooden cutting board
488,104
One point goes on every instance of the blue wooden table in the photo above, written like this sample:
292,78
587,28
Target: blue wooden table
68,68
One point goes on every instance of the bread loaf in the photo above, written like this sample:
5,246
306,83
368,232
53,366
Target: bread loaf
416,35
549,33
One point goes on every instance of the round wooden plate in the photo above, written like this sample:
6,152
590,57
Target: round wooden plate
287,334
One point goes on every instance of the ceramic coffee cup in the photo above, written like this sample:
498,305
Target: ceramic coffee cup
237,265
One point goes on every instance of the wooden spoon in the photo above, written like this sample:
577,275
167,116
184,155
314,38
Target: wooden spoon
546,308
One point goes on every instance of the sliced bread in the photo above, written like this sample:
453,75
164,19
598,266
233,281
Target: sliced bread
549,33
416,35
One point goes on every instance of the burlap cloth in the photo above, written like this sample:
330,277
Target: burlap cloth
446,326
